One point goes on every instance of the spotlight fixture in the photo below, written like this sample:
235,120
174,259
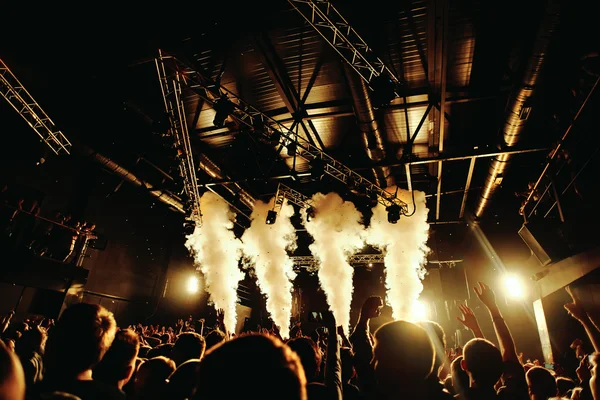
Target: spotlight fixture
394,211
271,217
223,108
317,168
189,227
275,137
373,198
310,213
384,91
291,148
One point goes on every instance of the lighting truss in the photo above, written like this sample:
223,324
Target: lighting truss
333,27
20,99
293,196
171,88
251,117
311,262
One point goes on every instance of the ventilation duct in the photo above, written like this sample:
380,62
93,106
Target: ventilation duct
213,170
519,107
371,134
126,175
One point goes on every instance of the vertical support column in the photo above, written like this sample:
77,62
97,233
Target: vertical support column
540,319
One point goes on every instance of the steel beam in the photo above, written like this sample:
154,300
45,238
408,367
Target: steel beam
467,186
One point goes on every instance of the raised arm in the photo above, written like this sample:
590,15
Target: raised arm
333,363
507,345
576,310
470,320
362,343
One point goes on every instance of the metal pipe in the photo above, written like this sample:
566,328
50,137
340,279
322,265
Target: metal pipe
371,134
215,172
519,107
128,176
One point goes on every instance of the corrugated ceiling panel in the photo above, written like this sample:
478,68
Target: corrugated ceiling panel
403,39
332,130
460,49
395,125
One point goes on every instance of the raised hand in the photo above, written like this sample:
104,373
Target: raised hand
470,320
468,317
486,295
371,308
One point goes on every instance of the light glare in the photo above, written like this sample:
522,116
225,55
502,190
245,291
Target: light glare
419,311
514,287
193,285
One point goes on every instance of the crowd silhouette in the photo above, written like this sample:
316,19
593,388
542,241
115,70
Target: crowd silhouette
85,355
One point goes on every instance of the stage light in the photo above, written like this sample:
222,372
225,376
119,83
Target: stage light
223,108
310,213
189,227
271,217
384,91
317,168
514,286
193,284
394,211
275,137
291,149
419,311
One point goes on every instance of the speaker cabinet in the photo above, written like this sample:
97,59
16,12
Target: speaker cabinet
545,240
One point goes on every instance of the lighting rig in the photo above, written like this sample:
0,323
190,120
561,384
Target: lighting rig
224,100
336,30
171,88
19,98
293,196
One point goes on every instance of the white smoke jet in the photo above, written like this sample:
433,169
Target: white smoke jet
216,252
337,232
404,245
267,245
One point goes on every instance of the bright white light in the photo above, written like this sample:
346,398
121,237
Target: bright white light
419,311
514,287
193,285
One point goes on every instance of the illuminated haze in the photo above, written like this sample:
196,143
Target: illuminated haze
405,249
336,230
267,245
216,252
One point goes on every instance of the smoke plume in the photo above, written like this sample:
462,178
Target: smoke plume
336,229
404,245
266,246
216,252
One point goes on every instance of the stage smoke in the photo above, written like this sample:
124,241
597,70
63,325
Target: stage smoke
404,245
216,252
336,229
266,245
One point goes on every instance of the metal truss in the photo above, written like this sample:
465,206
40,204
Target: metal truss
311,261
246,114
293,196
20,99
171,89
333,27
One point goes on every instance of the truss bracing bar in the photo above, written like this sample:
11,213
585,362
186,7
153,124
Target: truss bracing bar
171,88
252,118
20,99
333,27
